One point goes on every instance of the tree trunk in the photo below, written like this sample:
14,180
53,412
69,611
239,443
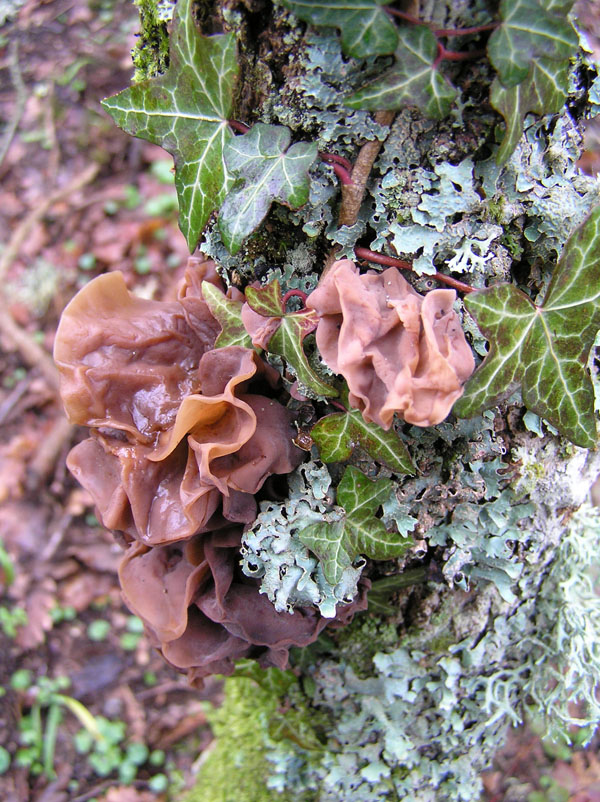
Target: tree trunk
490,616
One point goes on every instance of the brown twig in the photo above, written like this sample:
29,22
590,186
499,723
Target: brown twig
390,261
22,231
171,686
17,79
353,194
12,399
32,354
42,464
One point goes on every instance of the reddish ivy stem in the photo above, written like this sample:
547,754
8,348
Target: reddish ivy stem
333,157
343,175
393,12
452,55
341,166
238,126
390,261
337,405
490,26
294,294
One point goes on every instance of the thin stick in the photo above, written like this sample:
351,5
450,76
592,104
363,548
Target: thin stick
17,79
353,194
32,354
22,231
390,261
44,461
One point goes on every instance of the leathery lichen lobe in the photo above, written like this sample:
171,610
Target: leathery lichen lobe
399,351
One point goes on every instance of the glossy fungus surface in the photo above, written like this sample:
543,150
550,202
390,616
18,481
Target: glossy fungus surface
400,352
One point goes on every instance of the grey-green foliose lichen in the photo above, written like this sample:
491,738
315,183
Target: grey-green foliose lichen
410,704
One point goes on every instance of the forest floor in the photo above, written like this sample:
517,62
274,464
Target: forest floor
79,198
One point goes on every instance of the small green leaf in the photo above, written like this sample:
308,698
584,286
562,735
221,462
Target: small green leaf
267,301
228,314
543,348
333,547
287,343
542,92
366,28
530,29
266,169
186,111
337,435
412,81
273,680
360,497
359,532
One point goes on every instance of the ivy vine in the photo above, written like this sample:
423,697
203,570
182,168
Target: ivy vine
224,166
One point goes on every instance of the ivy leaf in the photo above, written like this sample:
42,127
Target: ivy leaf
337,435
412,81
287,343
267,300
228,314
530,29
366,28
359,532
266,169
542,92
288,338
186,112
544,349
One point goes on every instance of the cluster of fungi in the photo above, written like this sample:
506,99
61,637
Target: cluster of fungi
184,435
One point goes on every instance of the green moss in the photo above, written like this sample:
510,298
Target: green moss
359,642
496,209
151,52
512,243
236,770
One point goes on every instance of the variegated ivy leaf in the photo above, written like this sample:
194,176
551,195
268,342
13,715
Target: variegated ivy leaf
186,112
359,531
365,26
228,314
337,435
542,92
289,334
266,169
267,300
543,348
414,80
287,343
530,29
